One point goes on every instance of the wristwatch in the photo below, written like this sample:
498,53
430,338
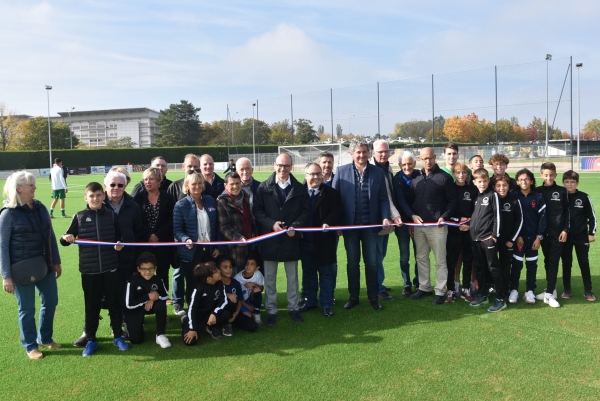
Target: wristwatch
541,237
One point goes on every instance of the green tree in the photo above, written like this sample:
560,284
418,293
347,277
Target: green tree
592,126
8,127
179,125
339,131
281,132
305,133
540,128
215,133
33,135
122,143
262,132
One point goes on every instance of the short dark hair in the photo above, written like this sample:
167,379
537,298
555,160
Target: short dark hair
474,156
570,175
146,257
325,154
548,166
93,187
528,174
223,258
157,157
255,257
202,271
504,178
498,158
481,173
57,160
233,175
451,145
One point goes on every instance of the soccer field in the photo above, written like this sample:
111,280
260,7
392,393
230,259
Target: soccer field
411,349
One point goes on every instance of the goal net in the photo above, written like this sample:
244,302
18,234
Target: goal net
304,154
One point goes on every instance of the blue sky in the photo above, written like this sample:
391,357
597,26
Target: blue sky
108,54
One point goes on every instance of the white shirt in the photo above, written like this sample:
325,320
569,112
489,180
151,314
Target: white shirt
311,190
203,225
58,180
283,185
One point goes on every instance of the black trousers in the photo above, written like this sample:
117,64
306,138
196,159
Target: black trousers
95,288
135,320
222,319
505,259
582,251
552,250
456,242
201,254
243,322
485,255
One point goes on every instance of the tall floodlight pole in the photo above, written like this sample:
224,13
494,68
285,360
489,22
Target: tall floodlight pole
253,148
70,122
548,58
48,89
578,65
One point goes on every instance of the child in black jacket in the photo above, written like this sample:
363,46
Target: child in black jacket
207,305
146,294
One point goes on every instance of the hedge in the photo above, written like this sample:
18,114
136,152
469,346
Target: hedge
12,160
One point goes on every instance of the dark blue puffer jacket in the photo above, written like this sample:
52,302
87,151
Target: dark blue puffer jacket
185,223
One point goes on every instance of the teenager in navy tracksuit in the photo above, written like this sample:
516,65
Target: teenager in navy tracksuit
530,237
557,229
511,222
485,232
582,234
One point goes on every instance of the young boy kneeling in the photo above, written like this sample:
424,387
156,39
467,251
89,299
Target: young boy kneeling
146,294
207,305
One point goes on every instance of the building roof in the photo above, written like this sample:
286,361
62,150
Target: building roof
137,110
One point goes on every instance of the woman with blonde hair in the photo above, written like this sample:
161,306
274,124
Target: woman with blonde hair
29,259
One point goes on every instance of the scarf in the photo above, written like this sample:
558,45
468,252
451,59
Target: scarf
241,205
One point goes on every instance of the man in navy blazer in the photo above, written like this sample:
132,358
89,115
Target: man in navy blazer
364,201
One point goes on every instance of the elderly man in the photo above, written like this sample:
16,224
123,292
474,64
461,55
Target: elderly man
319,249
281,203
434,201
244,168
160,163
381,155
402,181
207,165
364,202
326,164
191,163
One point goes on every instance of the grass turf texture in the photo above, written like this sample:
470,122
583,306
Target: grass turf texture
410,349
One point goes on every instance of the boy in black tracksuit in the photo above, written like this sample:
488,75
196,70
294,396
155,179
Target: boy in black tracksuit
533,208
234,293
557,228
458,239
511,222
98,265
485,231
207,305
146,294
582,234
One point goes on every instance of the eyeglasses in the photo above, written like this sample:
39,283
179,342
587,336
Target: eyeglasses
196,170
146,269
112,185
286,166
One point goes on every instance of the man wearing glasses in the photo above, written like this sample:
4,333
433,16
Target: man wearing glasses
281,203
191,163
434,201
381,155
365,202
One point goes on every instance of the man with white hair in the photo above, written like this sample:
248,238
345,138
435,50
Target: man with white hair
402,181
244,168
381,155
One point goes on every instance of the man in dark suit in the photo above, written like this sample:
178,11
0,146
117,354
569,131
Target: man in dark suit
160,163
244,168
319,249
207,165
365,202
280,203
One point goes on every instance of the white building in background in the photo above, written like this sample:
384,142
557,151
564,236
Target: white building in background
96,127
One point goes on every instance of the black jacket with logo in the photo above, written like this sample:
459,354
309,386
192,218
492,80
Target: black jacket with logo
485,220
583,218
511,218
207,299
557,209
138,288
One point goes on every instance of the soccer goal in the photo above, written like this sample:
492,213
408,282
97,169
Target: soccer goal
304,154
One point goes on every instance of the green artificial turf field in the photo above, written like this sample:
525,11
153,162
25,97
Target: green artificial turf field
410,350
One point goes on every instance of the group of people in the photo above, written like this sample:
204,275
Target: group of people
483,225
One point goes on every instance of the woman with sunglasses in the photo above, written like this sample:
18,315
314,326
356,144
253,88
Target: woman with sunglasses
194,221
157,212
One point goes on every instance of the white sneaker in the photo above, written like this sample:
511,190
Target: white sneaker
550,299
163,341
541,295
529,297
513,297
257,318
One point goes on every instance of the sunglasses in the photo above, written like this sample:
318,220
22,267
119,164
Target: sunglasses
112,185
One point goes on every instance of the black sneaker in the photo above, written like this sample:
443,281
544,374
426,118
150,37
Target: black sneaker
227,330
497,306
179,311
384,296
479,300
214,332
271,319
407,291
438,300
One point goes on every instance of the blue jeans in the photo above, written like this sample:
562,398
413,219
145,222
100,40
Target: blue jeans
352,242
25,295
382,244
404,240
531,257
315,277
178,290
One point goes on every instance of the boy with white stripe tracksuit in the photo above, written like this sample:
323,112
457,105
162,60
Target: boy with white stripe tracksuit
485,231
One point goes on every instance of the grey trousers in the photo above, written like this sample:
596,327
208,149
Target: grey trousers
429,239
293,296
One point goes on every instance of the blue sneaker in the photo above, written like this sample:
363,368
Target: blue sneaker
90,347
121,344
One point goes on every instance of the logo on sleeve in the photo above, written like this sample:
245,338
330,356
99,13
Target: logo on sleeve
217,293
579,203
555,196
